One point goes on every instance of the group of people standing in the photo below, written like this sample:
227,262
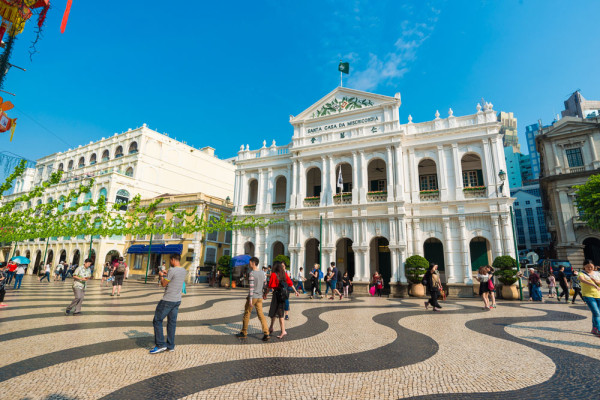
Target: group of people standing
334,281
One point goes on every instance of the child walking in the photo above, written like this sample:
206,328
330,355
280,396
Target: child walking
346,283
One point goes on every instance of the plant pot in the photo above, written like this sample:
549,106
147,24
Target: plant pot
417,290
233,285
510,292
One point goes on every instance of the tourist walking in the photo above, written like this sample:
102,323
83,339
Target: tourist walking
279,283
118,275
433,284
346,283
315,275
105,274
3,278
564,284
484,287
80,277
58,271
46,273
301,280
256,283
65,271
534,284
286,307
334,282
10,273
576,286
19,276
590,289
328,280
169,306
551,281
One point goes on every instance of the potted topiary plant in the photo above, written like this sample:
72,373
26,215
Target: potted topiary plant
416,266
224,266
506,269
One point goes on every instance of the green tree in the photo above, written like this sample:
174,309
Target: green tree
588,201
506,269
224,264
283,258
416,266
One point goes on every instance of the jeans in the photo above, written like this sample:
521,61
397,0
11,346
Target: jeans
46,276
78,301
594,306
577,291
18,279
327,286
9,276
257,304
301,286
164,309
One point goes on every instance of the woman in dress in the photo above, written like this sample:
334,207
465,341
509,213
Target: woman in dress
434,285
484,289
279,283
346,283
551,286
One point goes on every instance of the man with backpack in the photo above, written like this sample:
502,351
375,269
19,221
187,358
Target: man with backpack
119,272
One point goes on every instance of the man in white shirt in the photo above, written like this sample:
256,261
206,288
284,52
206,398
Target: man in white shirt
46,273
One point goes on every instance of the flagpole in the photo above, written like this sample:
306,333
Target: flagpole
341,79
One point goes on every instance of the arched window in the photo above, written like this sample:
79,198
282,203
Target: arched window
122,199
105,155
93,159
87,197
61,167
81,163
70,167
119,152
129,171
471,171
133,148
103,193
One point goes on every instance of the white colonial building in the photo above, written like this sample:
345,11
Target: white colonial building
139,161
429,188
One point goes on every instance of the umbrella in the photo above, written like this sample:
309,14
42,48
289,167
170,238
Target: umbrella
21,260
240,260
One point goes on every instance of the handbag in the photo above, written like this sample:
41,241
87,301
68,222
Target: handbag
490,284
442,293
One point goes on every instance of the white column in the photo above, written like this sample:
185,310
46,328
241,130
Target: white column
243,199
236,192
593,148
417,236
364,236
508,237
450,272
442,174
332,179
355,181
260,190
467,274
324,182
266,252
364,180
364,263
409,238
302,188
294,178
390,174
400,182
394,260
288,186
497,250
401,269
457,173
270,188
393,233
487,163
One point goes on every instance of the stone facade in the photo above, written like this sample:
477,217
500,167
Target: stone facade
383,190
569,156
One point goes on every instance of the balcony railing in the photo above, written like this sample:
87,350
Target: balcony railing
378,196
278,207
250,209
475,192
312,201
576,169
342,198
429,195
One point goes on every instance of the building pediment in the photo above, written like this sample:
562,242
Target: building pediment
343,100
570,125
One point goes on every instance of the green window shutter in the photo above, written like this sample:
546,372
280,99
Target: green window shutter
479,177
373,185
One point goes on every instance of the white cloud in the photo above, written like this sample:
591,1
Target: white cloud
394,64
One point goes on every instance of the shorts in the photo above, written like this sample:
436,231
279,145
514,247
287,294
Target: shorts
333,284
118,280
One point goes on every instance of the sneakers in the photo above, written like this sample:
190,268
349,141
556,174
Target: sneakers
112,294
157,350
67,312
241,335
287,317
171,350
595,331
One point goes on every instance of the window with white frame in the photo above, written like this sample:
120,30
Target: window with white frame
159,223
226,252
214,235
176,236
471,179
210,255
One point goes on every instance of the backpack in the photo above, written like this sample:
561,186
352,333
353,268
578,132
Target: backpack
121,268
548,281
281,292
320,274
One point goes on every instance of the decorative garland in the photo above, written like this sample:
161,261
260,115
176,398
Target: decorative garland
64,217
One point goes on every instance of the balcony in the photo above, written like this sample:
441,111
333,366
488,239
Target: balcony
429,195
312,201
376,197
342,198
278,207
475,192
576,169
250,209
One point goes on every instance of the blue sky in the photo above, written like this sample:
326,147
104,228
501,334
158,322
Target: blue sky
225,73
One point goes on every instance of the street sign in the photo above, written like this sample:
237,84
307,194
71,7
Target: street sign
533,257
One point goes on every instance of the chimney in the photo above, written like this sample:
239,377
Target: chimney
208,150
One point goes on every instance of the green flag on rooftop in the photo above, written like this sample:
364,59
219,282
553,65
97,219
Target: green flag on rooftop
344,67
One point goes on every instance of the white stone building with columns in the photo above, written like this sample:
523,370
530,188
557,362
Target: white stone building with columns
139,161
431,188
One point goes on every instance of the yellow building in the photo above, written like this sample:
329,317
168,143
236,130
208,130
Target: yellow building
196,249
